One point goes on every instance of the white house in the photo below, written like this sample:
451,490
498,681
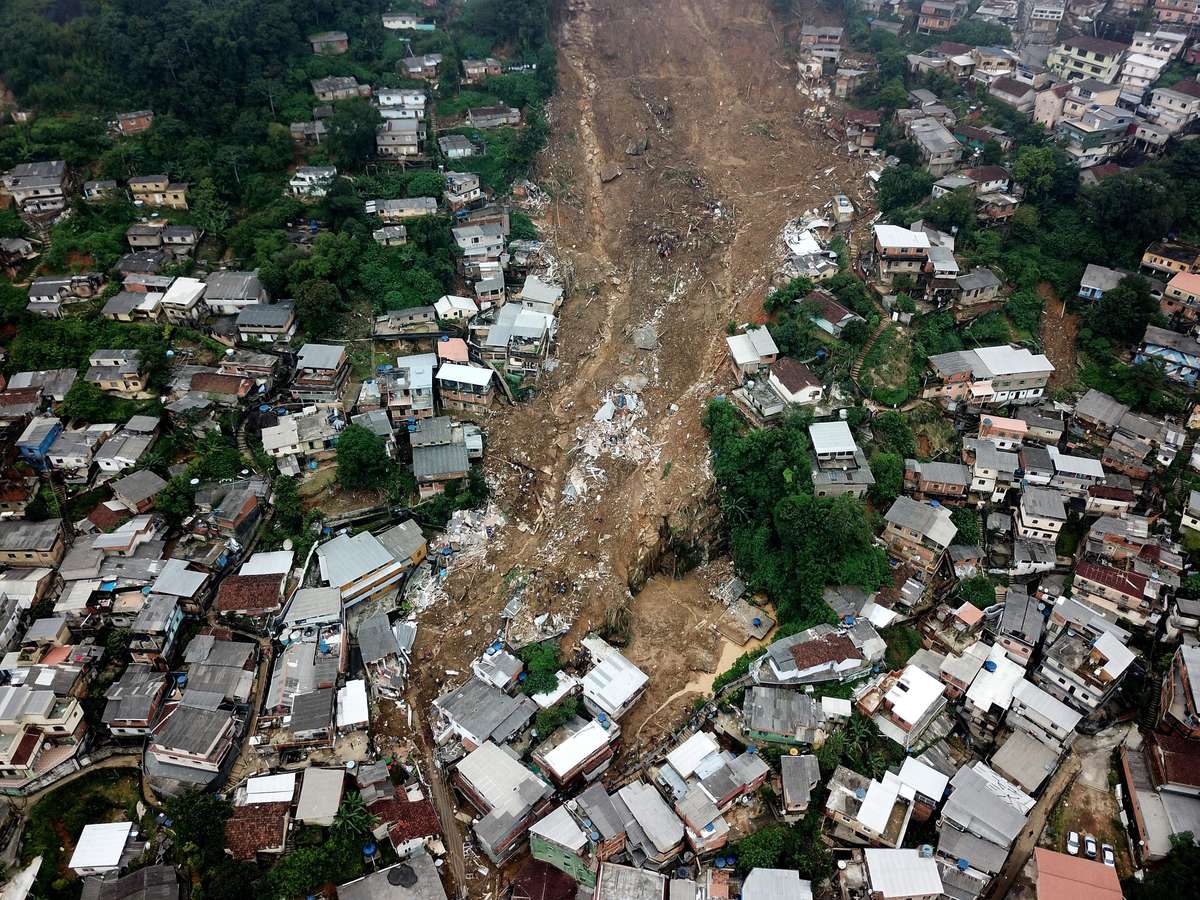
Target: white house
312,181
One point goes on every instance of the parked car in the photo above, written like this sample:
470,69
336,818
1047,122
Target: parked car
1089,846
1107,854
1073,843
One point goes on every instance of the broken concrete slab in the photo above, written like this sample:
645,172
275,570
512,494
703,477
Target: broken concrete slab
646,337
637,146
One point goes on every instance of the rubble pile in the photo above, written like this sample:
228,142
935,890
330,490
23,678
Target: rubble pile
613,433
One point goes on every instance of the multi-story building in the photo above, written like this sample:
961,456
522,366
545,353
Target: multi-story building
399,137
939,150
117,372
1099,134
939,16
508,797
1041,514
1169,258
1084,56
158,190
918,533
1082,672
1179,704
475,70
31,544
1117,593
465,388
1173,108
899,252
409,386
321,373
38,731
988,375
39,187
1179,14
839,466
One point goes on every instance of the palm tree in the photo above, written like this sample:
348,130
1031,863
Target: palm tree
353,819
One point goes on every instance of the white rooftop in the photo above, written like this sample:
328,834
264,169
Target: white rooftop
751,346
277,562
923,778
613,682
831,437
101,846
1075,465
561,828
877,805
1006,360
895,236
995,683
687,756
902,873
1118,655
913,693
577,748
465,374
271,788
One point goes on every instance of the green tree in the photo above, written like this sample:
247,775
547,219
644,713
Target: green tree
198,821
426,184
177,500
1046,173
978,591
903,186
763,849
893,433
966,520
888,471
319,307
209,211
353,820
1124,311
992,153
362,459
784,297
541,667
351,140
547,720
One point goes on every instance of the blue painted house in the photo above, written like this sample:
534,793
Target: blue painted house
1178,353
1098,279
36,439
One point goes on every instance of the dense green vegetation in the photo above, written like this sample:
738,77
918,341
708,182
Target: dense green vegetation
224,80
787,542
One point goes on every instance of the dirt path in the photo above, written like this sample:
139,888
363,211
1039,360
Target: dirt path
682,239
1059,329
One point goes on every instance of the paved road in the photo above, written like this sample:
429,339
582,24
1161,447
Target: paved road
444,804
1089,760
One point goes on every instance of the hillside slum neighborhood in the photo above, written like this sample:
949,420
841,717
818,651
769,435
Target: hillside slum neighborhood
1037,560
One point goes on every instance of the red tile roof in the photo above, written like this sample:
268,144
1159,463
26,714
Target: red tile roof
249,593
256,827
541,881
213,383
1095,45
1173,759
864,116
952,48
407,819
1064,877
106,518
793,374
988,173
1189,86
1131,583
826,649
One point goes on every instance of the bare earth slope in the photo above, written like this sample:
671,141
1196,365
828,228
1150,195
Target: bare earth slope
683,238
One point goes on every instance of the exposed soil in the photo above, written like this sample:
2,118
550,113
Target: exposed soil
684,237
1059,329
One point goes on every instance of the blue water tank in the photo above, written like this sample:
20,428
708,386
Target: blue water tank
264,408
936,504
990,665
757,621
720,862
444,338
368,850
963,865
